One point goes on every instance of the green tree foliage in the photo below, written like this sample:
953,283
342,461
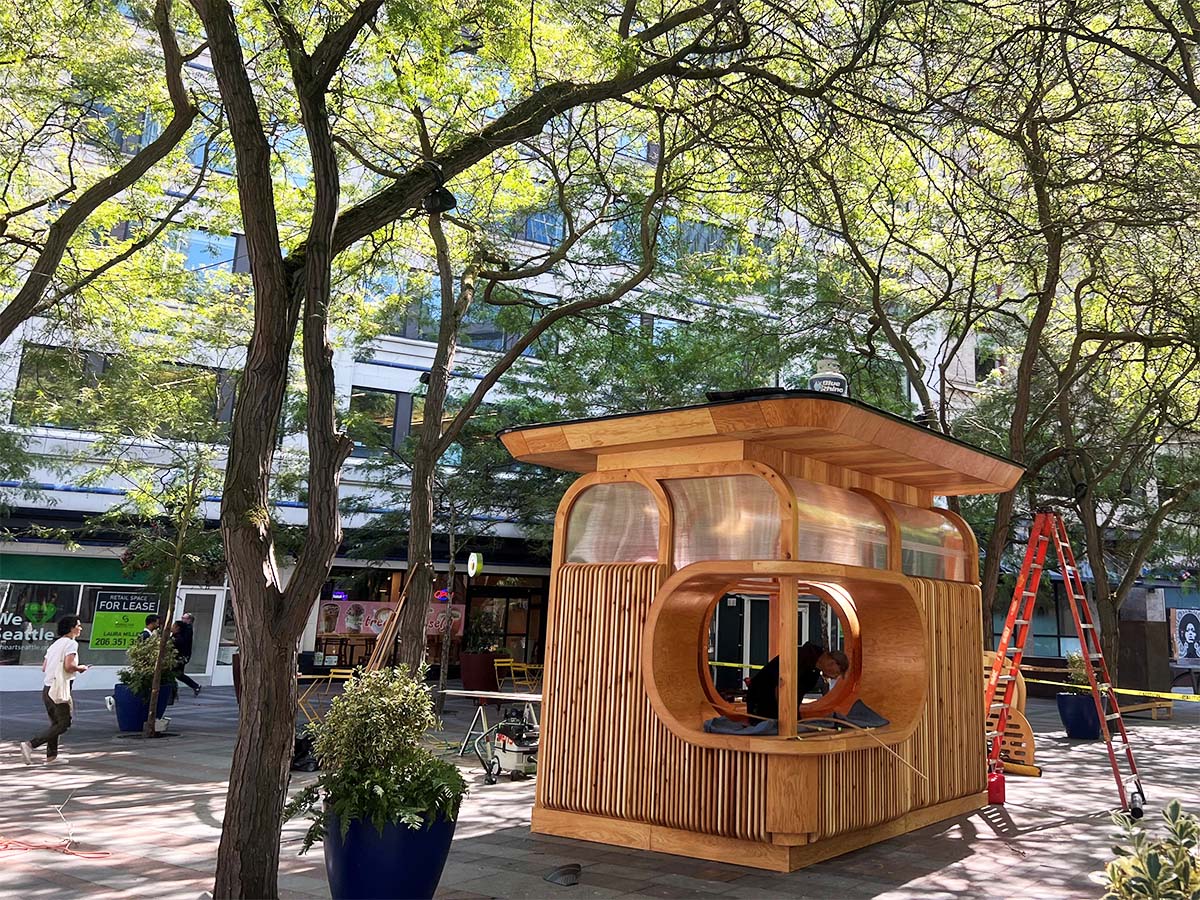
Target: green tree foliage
105,147
1018,179
143,669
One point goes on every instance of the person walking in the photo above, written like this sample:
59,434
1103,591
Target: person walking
59,668
151,627
181,637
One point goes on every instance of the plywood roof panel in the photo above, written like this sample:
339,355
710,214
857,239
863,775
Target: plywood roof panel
822,427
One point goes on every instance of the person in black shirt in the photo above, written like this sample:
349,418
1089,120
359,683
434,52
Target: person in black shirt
812,662
151,627
181,637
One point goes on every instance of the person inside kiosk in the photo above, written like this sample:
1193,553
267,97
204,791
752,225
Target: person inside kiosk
813,662
816,669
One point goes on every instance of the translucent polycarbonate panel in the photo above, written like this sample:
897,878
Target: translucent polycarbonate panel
931,546
613,523
730,517
838,526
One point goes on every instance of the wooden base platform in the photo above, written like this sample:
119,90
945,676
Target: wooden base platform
774,857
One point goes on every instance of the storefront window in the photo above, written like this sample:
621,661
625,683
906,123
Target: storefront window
229,639
28,616
356,601
517,614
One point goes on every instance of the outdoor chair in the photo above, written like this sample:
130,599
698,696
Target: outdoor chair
505,671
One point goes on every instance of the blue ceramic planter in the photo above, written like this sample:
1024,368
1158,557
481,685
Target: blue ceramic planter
132,709
399,863
1078,714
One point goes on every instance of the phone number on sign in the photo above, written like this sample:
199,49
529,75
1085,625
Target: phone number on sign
118,643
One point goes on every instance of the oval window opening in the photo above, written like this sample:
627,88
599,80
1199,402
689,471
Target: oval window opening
743,649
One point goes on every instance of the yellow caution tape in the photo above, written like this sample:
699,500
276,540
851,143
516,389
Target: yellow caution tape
1192,698
733,665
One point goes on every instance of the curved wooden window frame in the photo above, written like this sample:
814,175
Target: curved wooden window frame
889,664
666,513
783,490
844,693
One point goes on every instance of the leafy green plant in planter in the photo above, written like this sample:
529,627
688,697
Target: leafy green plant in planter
481,646
1167,868
133,705
1077,672
484,635
1076,707
385,806
138,676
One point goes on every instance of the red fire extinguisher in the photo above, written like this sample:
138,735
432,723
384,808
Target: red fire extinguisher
995,783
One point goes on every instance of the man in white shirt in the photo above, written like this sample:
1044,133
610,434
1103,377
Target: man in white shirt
61,664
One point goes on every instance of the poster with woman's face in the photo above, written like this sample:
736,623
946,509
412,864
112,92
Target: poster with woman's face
1186,635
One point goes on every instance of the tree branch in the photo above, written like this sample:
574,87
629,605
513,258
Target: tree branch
337,43
29,300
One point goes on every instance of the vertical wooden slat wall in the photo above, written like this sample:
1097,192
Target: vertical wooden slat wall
869,787
603,750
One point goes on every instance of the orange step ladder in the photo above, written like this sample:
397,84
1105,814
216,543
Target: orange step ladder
1048,527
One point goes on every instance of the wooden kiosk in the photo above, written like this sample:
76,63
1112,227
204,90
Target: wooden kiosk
790,495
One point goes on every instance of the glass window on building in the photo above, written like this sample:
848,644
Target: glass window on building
424,310
377,420
205,252
702,237
1053,632
227,642
481,330
196,396
209,150
51,383
626,235
29,614
514,606
544,227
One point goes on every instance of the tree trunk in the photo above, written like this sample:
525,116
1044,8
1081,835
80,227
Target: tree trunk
148,729
411,630
444,663
426,455
1051,230
181,533
1110,634
262,753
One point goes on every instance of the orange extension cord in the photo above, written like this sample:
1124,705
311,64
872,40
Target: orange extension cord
63,846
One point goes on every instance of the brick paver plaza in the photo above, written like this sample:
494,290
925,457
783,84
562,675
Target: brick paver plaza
156,808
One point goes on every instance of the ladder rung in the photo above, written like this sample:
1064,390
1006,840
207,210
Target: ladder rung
1000,706
1028,593
992,734
1007,678
1112,717
1021,622
1087,625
